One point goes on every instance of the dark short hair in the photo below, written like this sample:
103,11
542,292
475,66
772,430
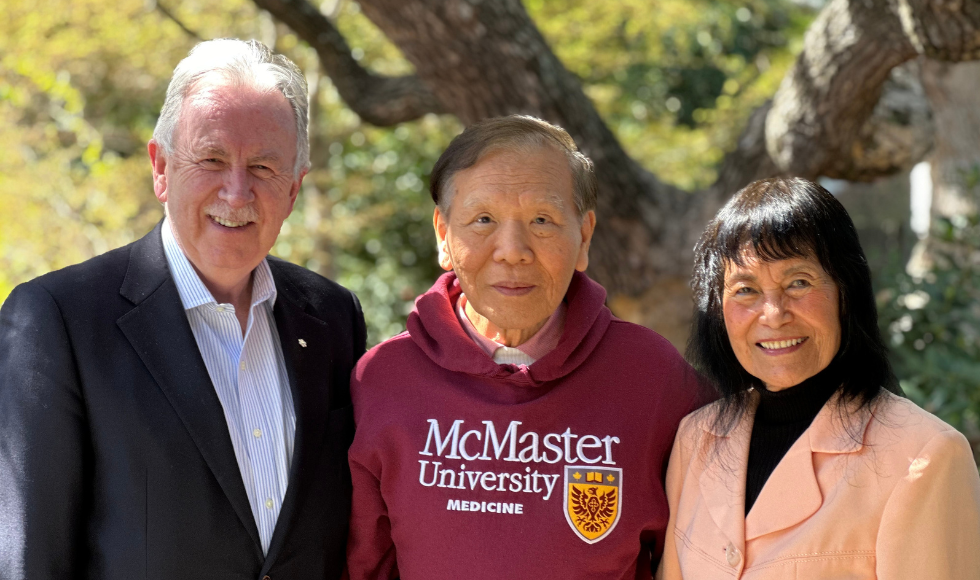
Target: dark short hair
782,218
515,132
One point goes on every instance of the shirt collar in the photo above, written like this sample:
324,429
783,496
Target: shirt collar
193,292
544,340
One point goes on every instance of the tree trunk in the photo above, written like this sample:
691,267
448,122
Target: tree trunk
953,91
481,58
484,59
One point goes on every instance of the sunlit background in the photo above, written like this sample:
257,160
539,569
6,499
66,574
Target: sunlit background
81,83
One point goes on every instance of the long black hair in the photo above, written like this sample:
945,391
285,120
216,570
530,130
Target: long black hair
782,218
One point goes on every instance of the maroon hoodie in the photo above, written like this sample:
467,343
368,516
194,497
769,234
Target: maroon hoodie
463,468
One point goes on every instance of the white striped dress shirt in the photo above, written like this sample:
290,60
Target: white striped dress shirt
249,376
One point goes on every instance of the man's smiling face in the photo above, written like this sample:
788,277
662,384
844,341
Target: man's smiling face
229,182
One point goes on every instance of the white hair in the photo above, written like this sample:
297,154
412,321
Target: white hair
246,62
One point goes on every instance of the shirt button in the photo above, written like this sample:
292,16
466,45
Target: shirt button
268,503
220,308
257,432
733,556
241,365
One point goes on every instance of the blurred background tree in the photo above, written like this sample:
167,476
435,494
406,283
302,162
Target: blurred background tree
81,86
931,323
680,102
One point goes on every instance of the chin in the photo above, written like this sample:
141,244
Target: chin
519,322
232,263
783,382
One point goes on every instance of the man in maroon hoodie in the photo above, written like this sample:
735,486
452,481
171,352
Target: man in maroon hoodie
517,429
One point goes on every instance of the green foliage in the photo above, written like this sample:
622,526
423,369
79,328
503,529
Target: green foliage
364,219
80,88
81,84
675,79
933,326
364,215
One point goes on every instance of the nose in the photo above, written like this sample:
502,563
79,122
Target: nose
774,311
237,188
512,245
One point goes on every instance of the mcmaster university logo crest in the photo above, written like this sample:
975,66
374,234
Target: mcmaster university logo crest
593,500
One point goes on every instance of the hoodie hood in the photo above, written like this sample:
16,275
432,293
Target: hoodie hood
434,328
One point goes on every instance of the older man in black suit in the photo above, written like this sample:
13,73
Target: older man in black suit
179,407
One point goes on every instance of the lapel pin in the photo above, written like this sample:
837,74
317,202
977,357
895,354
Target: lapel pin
302,343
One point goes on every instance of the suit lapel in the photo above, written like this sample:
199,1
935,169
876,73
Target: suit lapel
308,366
723,479
158,330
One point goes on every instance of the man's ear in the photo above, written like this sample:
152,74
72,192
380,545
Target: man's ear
294,190
440,224
588,228
158,161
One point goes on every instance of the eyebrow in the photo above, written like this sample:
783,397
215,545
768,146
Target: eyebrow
792,269
213,150
552,199
740,277
797,269
267,158
556,200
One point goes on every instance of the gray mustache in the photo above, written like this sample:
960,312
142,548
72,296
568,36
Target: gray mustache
241,214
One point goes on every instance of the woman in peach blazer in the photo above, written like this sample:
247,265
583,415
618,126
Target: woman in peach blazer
809,466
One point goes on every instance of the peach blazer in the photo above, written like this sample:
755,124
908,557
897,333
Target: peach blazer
898,500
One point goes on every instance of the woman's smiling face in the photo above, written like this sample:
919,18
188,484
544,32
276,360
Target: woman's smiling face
782,318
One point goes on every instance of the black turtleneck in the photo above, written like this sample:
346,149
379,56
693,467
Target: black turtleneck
780,419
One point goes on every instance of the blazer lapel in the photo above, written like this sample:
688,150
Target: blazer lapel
723,479
158,330
792,493
789,496
829,434
308,367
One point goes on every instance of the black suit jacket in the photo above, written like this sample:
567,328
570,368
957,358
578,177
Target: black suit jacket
115,457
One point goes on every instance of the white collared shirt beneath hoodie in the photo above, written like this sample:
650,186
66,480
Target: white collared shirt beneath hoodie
249,377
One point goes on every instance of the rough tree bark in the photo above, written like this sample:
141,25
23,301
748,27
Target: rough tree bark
480,58
379,100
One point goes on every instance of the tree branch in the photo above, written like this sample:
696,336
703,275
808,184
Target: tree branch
832,89
485,59
476,59
821,120
899,133
166,12
947,31
379,100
